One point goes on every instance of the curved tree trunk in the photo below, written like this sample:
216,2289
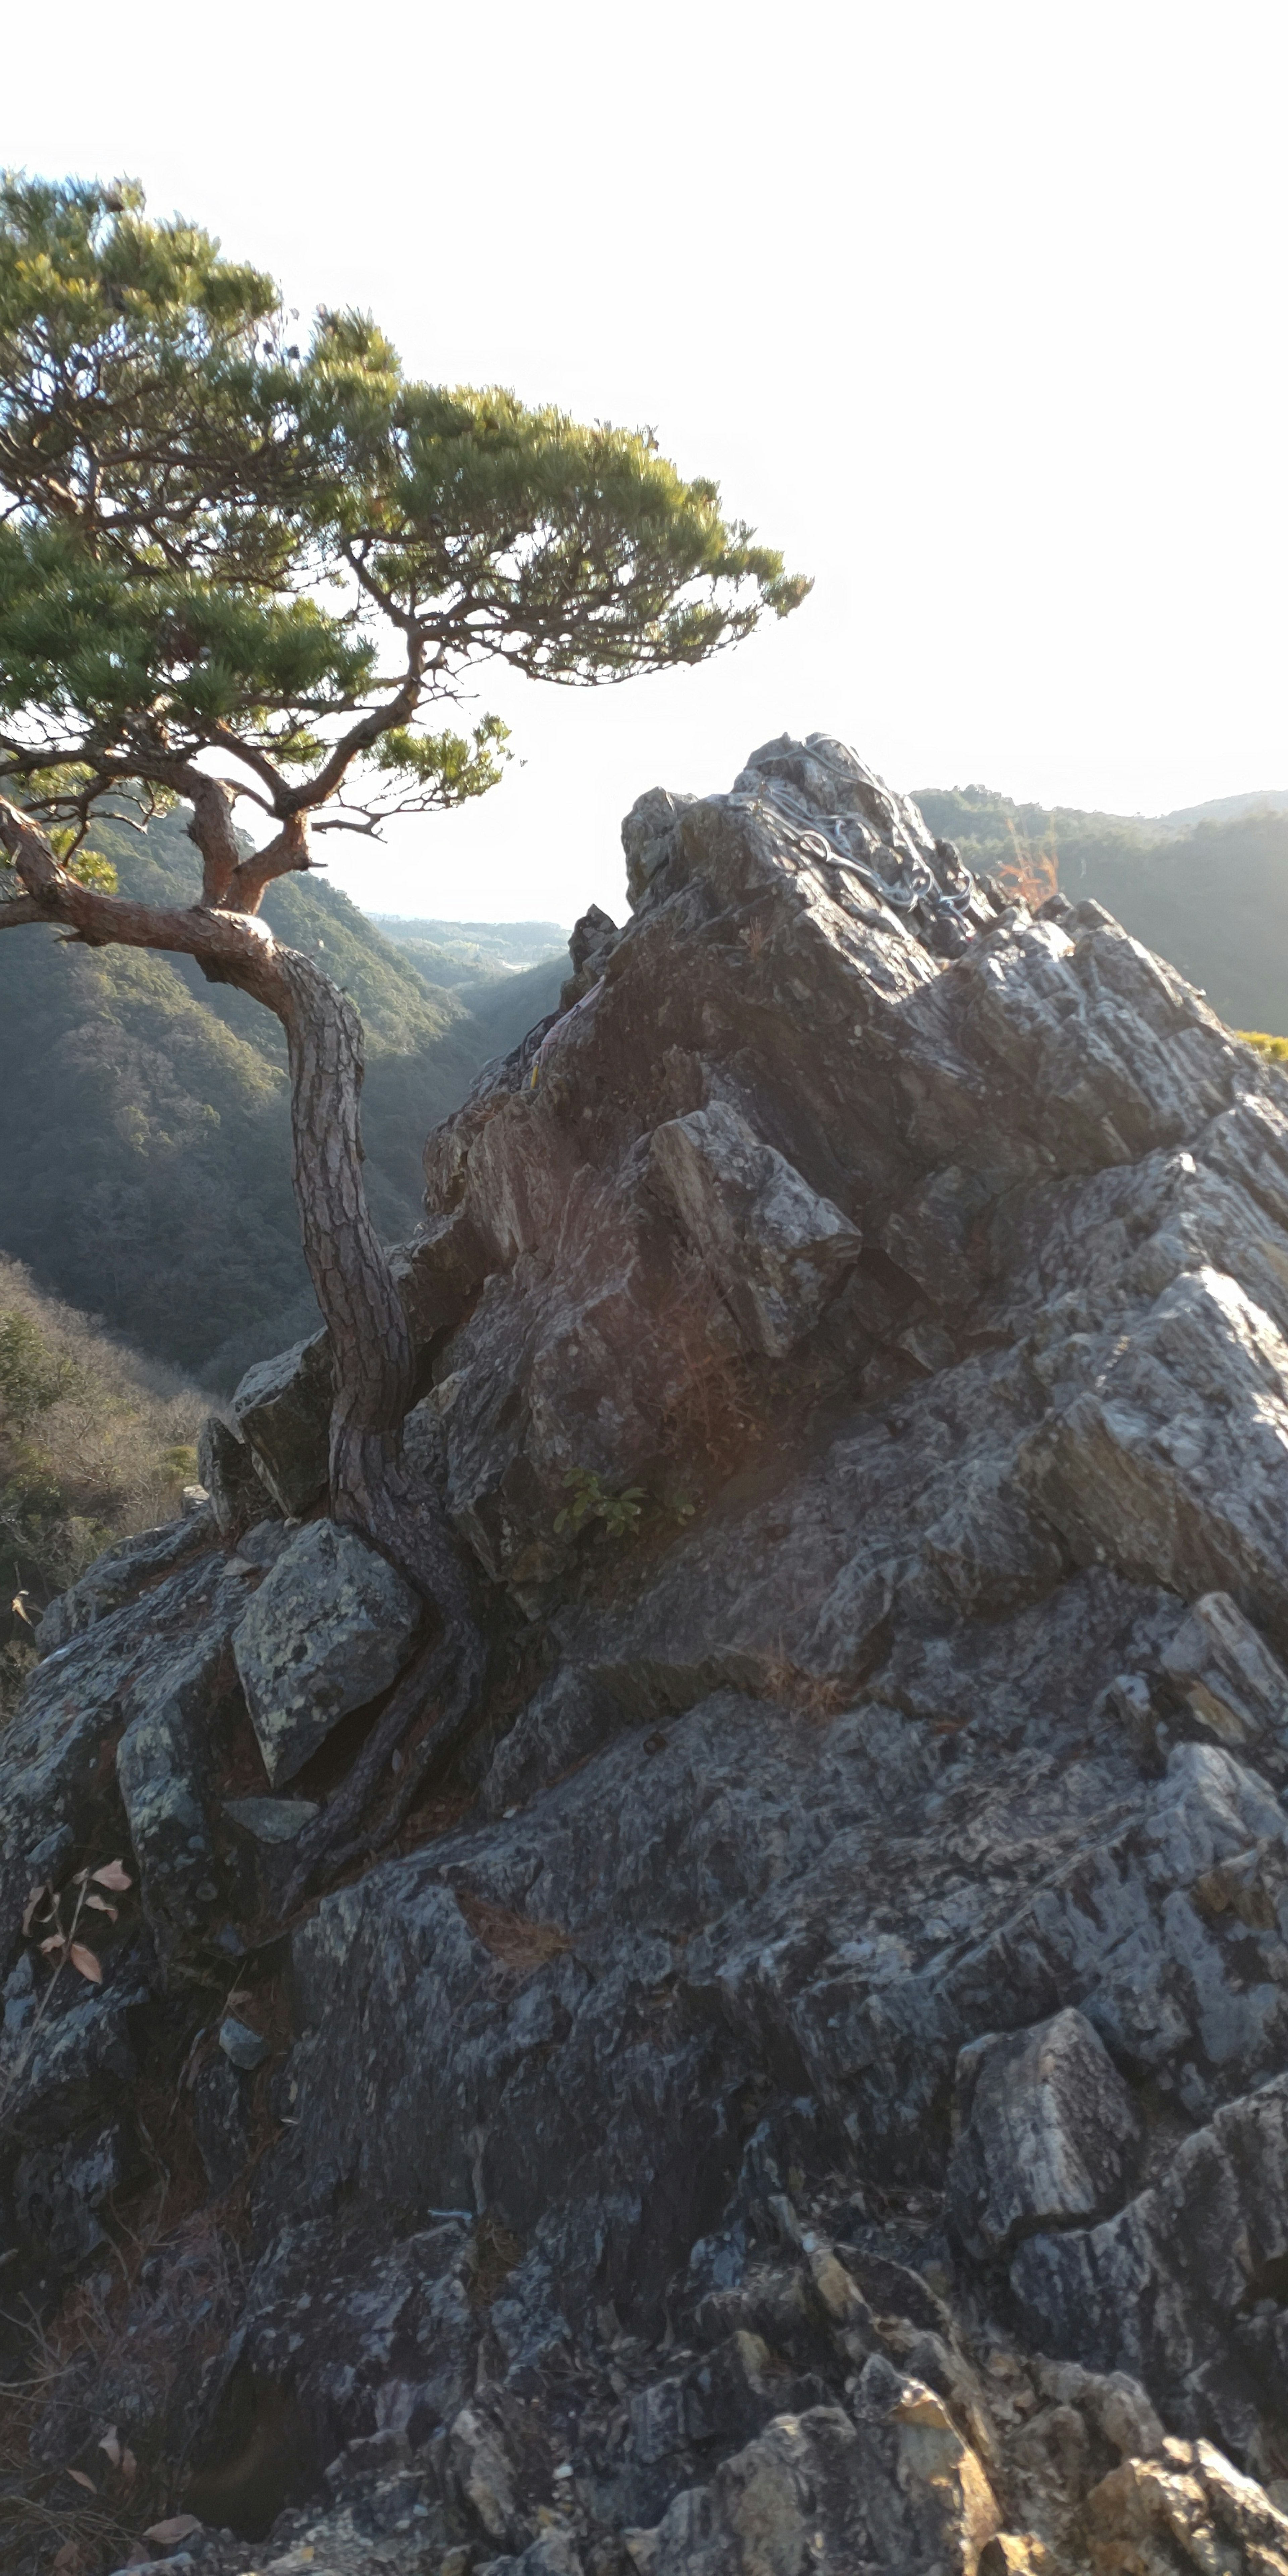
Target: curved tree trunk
373,1362
371,1352
372,1359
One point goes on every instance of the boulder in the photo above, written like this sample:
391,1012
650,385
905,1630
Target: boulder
282,1410
177,1723
1049,2133
133,1566
775,1249
328,1630
271,1820
226,1466
1231,1683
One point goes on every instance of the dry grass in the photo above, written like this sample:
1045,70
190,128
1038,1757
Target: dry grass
155,2343
510,1938
494,2252
1029,875
95,1442
810,1694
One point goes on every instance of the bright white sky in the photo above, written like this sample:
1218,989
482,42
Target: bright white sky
974,307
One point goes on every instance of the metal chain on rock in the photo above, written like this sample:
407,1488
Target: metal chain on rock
833,834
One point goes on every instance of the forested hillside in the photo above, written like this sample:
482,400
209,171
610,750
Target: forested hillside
1207,887
94,1442
145,1145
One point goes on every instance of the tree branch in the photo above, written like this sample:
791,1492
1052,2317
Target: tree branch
254,875
212,830
239,951
20,907
360,737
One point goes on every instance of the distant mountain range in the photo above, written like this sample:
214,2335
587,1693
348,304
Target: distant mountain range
145,1141
1206,886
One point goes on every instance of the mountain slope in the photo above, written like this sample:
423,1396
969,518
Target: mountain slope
1210,894
145,1147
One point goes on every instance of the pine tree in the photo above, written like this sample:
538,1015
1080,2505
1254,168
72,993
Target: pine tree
238,569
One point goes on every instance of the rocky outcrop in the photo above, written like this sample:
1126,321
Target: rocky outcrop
806,2087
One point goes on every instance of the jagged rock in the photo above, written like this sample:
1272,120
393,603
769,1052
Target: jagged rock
261,1545
128,1569
1230,1681
773,1247
59,1767
221,2122
61,2193
243,2047
893,2487
590,946
176,1726
1159,2289
282,1409
898,1282
327,1631
1049,2133
226,1466
437,1272
1188,2508
271,1820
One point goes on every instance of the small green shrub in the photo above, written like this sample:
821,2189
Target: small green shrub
593,1500
1276,1049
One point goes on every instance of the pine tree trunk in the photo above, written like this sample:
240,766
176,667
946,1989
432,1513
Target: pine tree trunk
372,1359
371,1352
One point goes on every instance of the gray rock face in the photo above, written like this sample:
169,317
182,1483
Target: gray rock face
774,1249
807,2086
271,1820
226,1466
178,1724
1050,2133
133,1566
282,1409
327,1631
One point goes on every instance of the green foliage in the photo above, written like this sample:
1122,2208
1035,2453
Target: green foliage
1274,1049
32,1376
593,1500
211,534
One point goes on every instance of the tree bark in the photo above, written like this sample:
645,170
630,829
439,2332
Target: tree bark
372,1358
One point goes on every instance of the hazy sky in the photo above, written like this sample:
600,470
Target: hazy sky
974,307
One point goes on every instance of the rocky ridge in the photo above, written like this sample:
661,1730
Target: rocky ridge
806,2084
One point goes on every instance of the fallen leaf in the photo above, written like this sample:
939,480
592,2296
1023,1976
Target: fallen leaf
102,1905
33,1904
111,2445
129,2467
112,1875
16,1605
56,1941
83,2481
69,2560
87,1963
180,2526
79,1877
